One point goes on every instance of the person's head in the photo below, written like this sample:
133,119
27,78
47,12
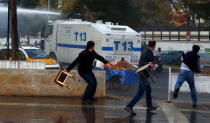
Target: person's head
195,48
90,45
152,44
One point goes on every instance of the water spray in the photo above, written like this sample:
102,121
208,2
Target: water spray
29,11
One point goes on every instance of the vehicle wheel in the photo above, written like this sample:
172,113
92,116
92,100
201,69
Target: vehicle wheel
53,56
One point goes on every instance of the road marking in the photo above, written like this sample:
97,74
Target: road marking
185,101
195,110
172,113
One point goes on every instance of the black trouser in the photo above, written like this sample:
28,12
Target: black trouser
90,90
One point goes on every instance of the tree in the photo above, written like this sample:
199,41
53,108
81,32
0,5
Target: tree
198,8
38,4
53,4
121,11
67,5
28,3
153,12
129,12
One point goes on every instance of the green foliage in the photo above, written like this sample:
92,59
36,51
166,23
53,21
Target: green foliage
37,3
121,11
204,10
28,3
129,12
155,12
200,9
54,4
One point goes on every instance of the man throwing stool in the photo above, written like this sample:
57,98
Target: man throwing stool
190,64
85,65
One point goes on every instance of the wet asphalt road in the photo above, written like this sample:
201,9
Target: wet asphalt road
71,110
106,110
159,89
160,92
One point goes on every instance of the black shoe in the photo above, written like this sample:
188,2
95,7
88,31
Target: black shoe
194,105
151,108
87,102
130,110
176,92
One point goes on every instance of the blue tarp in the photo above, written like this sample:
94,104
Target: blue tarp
127,76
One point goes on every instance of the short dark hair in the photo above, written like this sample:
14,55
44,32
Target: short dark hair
151,43
195,48
90,44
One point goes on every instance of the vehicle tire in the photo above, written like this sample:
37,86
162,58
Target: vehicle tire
53,56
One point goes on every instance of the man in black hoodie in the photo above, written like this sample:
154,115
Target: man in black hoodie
85,61
190,64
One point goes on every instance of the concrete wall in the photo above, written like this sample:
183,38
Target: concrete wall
4,64
41,83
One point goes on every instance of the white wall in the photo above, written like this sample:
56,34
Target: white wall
181,45
202,83
21,65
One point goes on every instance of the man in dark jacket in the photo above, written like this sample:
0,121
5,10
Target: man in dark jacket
144,85
190,64
85,61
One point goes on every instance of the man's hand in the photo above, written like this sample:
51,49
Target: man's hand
151,64
108,65
65,71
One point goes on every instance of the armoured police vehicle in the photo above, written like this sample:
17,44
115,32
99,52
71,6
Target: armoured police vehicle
65,39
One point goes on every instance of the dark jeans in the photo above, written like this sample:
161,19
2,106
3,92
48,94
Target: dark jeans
188,76
144,85
89,77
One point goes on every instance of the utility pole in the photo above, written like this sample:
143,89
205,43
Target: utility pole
48,3
14,32
8,30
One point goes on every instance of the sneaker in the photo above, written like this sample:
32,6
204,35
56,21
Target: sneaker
194,105
176,91
130,110
151,108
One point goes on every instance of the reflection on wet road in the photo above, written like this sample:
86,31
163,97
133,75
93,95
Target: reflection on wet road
193,117
89,113
71,110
